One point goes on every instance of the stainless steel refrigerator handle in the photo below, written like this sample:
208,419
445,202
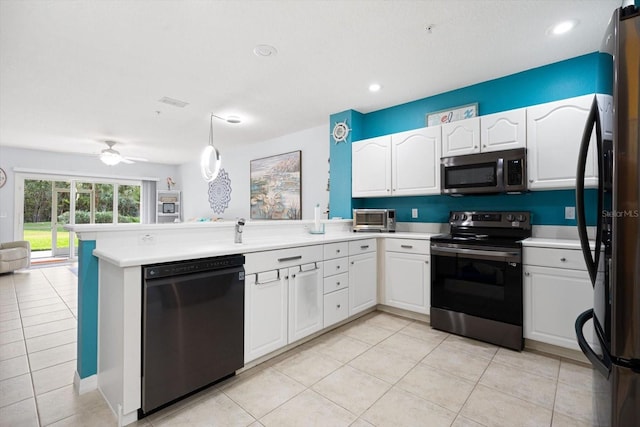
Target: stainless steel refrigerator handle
591,262
476,253
602,365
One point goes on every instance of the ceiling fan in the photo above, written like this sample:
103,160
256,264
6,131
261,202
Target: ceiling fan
110,156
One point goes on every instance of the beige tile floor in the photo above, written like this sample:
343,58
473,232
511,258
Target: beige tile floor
380,370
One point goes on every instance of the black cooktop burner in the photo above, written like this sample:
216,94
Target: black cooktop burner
505,229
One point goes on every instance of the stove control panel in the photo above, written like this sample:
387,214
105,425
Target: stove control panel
520,219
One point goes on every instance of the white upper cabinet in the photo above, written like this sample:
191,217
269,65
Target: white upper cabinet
401,164
554,133
503,131
371,167
415,162
461,137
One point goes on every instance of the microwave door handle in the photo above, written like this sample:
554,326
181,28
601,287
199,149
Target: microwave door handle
500,175
580,208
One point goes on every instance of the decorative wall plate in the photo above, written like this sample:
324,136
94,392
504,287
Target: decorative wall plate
220,192
340,131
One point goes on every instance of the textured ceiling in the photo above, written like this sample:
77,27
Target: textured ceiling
75,73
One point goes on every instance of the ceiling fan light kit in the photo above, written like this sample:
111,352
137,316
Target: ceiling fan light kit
109,156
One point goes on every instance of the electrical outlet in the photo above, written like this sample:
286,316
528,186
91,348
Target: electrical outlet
147,239
414,213
569,212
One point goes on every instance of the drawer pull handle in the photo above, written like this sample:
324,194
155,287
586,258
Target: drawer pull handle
338,306
563,259
337,283
364,247
407,246
337,251
337,267
291,258
353,262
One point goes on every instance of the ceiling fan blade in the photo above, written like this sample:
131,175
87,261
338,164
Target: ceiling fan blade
127,160
136,159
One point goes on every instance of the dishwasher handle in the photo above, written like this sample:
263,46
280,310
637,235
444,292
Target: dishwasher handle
171,280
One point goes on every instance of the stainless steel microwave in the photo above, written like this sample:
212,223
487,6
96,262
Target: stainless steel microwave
383,220
494,172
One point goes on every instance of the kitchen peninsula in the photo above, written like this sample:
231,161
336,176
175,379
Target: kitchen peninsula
110,292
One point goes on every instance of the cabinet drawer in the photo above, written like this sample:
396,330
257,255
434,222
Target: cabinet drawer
336,266
336,307
269,260
410,246
362,246
334,283
336,250
558,258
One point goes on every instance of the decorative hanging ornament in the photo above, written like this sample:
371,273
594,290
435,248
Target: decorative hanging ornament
340,132
220,192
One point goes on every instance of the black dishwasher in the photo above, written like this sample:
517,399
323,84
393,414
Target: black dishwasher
192,326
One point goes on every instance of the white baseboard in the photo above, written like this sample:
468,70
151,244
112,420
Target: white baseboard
84,385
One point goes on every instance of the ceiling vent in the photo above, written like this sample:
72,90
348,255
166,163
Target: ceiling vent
174,102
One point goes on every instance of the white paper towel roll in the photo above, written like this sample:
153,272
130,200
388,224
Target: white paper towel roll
316,218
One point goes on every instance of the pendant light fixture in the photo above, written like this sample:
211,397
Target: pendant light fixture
210,173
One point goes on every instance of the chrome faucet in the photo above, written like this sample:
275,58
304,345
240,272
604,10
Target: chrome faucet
239,225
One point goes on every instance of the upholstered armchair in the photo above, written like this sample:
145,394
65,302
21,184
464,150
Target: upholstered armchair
14,255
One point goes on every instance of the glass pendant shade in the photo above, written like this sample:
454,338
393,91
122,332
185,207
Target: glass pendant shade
209,171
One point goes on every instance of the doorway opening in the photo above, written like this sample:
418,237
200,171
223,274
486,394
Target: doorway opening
51,203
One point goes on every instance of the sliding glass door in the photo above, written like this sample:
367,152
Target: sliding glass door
50,203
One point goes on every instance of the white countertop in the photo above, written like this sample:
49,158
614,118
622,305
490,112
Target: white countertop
135,255
546,242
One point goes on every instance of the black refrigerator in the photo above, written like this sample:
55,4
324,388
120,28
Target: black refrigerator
614,265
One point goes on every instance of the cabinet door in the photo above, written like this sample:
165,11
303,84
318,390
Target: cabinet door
461,137
336,307
503,131
553,299
371,167
415,162
407,281
363,291
554,133
305,300
265,327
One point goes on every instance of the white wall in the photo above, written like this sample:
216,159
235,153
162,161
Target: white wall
314,144
11,158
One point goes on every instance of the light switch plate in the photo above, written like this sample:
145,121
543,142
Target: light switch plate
569,212
414,213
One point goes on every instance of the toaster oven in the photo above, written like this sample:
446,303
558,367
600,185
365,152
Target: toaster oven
381,220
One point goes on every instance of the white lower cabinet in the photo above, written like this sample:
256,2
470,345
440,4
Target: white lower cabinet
336,307
305,300
408,275
556,291
266,313
336,283
363,275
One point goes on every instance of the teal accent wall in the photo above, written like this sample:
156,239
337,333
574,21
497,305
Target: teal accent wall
87,347
340,164
573,77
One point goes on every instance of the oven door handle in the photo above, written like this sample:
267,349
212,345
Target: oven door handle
477,254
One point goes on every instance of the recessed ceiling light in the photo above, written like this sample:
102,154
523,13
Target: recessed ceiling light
264,51
374,87
563,27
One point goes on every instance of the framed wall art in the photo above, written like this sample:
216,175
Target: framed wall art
276,187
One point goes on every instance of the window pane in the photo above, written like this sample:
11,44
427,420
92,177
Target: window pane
128,203
104,203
